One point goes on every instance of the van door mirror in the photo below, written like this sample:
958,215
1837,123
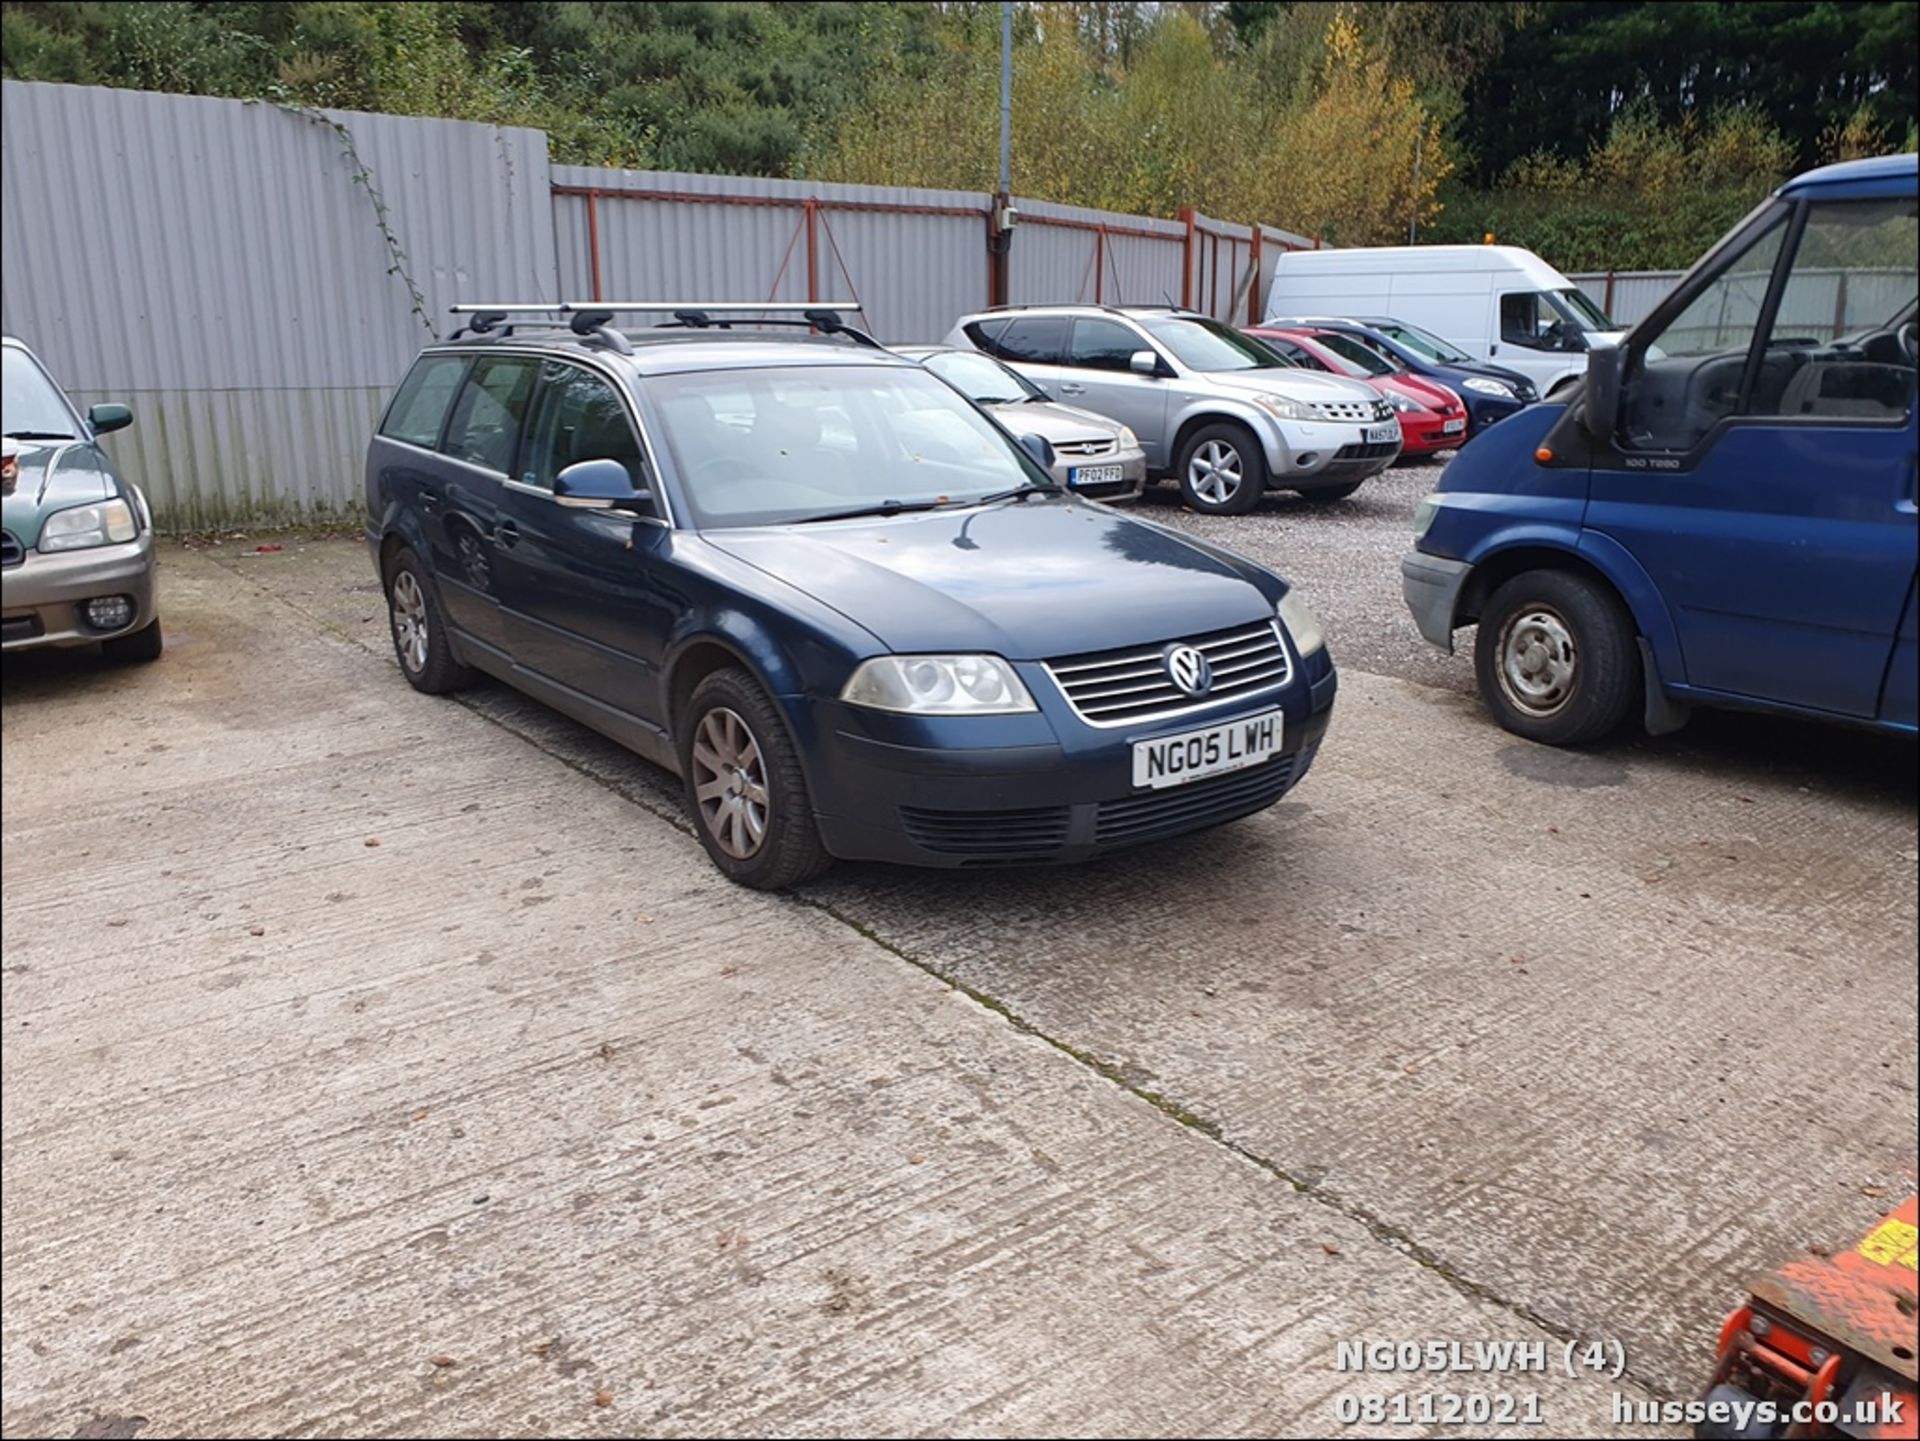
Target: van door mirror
1600,407
599,485
1143,362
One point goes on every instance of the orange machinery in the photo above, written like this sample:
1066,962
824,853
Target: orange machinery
1836,1329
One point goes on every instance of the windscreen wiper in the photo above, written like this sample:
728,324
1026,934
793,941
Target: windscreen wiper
885,507
1017,493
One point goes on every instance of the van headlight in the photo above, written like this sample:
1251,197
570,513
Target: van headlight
1423,515
81,526
1301,623
938,685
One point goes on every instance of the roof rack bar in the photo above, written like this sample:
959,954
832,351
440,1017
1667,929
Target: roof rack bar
736,307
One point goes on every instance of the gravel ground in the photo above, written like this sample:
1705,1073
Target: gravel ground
1346,558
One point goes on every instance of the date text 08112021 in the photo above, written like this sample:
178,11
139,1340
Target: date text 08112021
1491,1356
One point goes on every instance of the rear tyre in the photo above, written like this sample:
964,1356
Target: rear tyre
1331,493
419,629
745,789
1556,658
143,645
1222,470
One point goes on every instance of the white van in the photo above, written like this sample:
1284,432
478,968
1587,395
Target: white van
1496,302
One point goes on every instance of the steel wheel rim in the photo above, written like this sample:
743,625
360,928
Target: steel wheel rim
1215,473
1539,661
730,783
410,621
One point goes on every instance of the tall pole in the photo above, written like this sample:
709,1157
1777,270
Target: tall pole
1000,224
1006,96
1413,215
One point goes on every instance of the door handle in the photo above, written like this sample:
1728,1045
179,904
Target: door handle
506,534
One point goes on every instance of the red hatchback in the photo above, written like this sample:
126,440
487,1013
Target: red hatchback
1432,418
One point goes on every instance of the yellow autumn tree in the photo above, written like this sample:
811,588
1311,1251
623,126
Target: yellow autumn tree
1360,160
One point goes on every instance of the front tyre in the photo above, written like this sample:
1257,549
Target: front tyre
1556,659
744,785
1222,470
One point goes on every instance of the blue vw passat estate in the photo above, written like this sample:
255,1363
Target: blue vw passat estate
844,605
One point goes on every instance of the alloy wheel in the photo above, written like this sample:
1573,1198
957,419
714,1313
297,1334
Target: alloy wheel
730,783
410,621
1216,472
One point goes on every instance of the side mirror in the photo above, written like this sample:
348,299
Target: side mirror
1040,448
1600,407
104,418
1143,362
599,485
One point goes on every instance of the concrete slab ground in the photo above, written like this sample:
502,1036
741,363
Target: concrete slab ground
522,1120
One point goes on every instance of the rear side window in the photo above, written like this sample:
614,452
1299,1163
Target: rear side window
486,418
421,402
1100,344
1035,339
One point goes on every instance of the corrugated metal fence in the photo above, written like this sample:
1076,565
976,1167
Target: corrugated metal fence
253,279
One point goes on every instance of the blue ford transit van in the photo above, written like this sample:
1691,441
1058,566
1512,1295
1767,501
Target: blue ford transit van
1724,513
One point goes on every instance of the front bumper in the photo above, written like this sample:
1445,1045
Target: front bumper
1050,789
1431,585
42,599
1133,474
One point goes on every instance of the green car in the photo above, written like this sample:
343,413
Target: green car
76,555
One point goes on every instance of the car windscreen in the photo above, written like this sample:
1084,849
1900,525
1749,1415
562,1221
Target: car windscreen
981,378
1590,316
1423,342
780,444
1360,359
30,405
1208,346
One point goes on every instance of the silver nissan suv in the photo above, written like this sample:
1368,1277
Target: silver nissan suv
1223,413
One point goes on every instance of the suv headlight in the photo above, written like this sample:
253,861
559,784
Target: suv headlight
1286,409
1301,623
81,526
938,685
1405,404
1487,387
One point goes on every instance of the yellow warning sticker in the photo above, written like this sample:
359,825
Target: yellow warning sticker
1892,1243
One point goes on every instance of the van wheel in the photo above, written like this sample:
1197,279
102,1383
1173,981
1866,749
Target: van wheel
745,787
419,629
1222,471
1556,659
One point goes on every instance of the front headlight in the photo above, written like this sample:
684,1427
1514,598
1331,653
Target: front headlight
1423,515
938,685
1487,387
1301,623
1128,440
1286,409
87,525
1406,405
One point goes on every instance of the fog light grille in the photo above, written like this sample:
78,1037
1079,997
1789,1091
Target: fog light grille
110,612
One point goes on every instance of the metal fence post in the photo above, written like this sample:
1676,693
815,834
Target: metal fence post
1186,259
